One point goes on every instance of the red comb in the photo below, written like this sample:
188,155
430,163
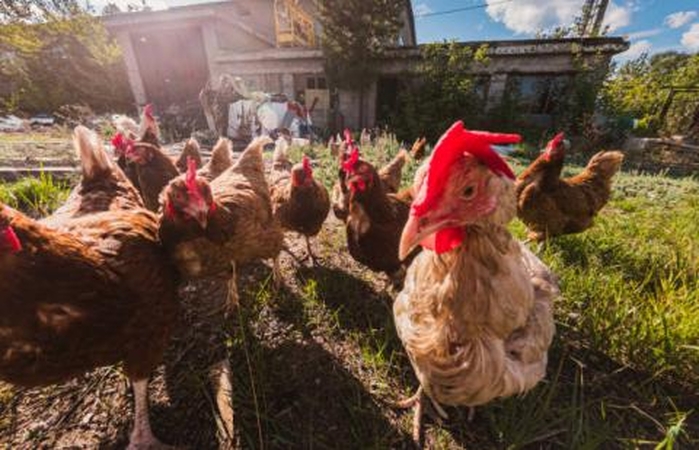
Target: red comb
122,144
190,180
307,164
553,144
191,177
349,163
451,147
348,136
8,236
118,141
556,141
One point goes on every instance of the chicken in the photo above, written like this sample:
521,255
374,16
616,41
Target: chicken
151,169
550,205
390,176
191,150
375,219
127,131
89,286
220,161
209,228
475,315
300,203
417,151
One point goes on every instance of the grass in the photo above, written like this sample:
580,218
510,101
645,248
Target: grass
317,363
37,197
625,364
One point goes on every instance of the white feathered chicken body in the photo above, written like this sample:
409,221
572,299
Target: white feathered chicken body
475,314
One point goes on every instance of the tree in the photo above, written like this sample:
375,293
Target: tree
58,56
442,91
639,89
36,10
355,34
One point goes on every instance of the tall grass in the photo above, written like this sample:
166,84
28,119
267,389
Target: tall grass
37,197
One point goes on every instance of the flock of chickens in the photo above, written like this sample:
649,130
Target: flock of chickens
95,283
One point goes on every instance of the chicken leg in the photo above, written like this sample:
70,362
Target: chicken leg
417,402
277,276
142,436
233,298
313,258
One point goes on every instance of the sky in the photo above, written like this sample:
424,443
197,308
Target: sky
650,25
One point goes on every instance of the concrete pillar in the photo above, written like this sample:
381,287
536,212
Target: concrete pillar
132,71
349,108
496,90
211,48
288,84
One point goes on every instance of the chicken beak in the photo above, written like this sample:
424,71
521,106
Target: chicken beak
203,219
422,231
410,237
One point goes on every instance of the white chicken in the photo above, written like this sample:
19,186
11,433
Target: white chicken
475,314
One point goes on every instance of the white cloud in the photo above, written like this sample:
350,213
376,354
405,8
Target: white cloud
637,49
617,16
422,9
690,39
529,16
644,34
680,19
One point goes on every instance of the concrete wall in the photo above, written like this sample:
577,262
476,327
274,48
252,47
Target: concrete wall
239,39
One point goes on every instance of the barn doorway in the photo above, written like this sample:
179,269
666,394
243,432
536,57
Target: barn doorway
173,64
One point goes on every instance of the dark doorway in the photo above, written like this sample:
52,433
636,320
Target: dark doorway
172,63
386,98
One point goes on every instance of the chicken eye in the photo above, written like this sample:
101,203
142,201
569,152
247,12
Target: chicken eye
469,191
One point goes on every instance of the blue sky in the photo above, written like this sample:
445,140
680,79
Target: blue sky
651,25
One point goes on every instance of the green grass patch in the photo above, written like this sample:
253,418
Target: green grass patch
37,197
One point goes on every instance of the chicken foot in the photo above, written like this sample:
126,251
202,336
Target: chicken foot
142,436
417,402
314,259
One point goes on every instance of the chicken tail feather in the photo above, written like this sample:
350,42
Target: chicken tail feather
93,157
605,164
252,156
221,154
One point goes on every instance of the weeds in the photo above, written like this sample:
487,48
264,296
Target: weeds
37,197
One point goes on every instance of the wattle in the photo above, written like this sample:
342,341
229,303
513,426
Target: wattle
444,240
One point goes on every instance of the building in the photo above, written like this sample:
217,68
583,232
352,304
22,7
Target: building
272,45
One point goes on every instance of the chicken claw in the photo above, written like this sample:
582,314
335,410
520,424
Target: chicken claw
313,258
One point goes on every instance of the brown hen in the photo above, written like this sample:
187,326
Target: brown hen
550,205
147,165
375,219
300,203
208,228
87,287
